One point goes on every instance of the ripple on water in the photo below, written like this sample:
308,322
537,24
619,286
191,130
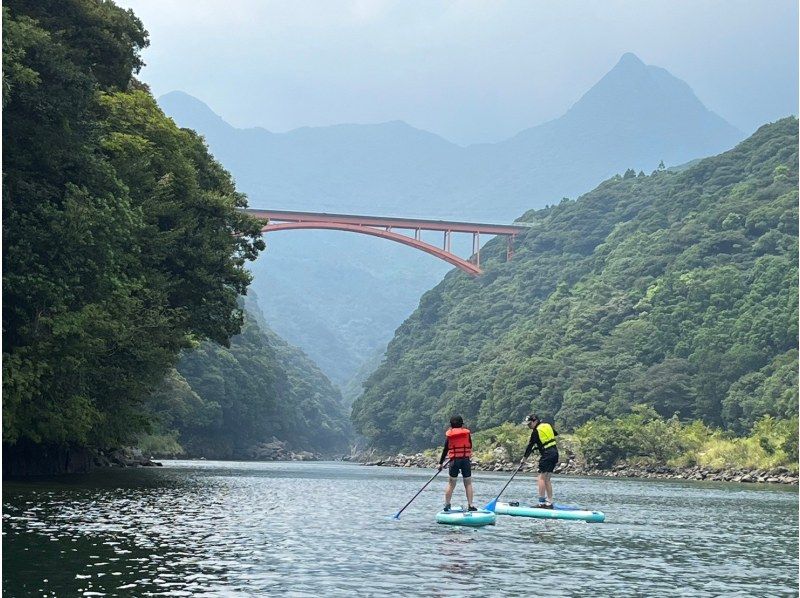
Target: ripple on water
311,529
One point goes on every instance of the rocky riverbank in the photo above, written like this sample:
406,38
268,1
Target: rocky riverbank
278,451
273,450
28,459
779,475
124,457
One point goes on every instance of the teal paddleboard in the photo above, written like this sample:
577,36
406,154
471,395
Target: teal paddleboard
470,518
503,508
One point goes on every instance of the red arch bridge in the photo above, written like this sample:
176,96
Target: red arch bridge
385,228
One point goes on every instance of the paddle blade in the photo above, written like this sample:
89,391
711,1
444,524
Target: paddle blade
491,506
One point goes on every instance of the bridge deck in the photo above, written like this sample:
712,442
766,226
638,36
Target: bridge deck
383,221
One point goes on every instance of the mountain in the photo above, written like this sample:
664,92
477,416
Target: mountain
634,117
677,290
350,168
222,402
339,297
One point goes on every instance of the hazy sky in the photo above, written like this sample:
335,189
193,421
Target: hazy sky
470,71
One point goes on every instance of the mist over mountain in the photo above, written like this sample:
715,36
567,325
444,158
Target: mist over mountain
223,402
634,117
339,297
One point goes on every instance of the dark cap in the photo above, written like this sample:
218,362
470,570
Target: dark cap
531,418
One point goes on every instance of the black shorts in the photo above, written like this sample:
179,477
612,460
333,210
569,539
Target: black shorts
548,460
461,464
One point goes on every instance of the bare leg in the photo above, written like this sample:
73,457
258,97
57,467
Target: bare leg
448,493
548,485
541,485
468,490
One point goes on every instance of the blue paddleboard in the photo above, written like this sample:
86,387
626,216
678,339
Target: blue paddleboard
459,516
503,508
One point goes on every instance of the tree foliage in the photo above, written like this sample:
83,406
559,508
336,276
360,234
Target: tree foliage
677,290
118,229
223,401
645,437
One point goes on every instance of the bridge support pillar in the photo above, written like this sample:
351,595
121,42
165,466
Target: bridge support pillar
446,244
476,247
509,247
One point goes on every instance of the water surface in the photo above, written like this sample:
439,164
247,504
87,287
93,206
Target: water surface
325,529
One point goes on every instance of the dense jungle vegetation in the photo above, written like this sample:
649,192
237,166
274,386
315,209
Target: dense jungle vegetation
676,290
220,402
123,248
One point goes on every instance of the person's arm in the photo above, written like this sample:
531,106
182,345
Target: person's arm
529,448
444,453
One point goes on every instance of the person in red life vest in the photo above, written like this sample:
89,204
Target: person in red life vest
543,436
458,448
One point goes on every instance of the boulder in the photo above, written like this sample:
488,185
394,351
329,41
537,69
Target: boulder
500,454
269,451
303,456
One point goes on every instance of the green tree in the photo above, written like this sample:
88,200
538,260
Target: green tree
122,243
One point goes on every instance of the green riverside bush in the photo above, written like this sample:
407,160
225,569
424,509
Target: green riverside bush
645,438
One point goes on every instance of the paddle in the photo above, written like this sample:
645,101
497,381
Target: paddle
420,490
493,504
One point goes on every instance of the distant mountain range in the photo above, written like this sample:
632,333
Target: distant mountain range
340,297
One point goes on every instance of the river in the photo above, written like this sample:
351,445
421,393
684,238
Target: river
325,529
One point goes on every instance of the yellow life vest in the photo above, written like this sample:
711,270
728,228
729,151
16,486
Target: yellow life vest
547,435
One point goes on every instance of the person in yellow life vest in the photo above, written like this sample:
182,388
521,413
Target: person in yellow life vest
543,437
458,448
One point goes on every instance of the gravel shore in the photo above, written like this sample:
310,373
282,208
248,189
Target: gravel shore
779,475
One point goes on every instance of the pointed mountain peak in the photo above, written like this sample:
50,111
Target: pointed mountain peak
630,60
633,91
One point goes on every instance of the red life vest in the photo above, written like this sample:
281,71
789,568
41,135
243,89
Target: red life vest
458,443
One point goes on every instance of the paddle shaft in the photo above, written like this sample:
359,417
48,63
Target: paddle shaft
521,463
420,490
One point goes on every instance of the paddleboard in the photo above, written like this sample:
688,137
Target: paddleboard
458,516
503,508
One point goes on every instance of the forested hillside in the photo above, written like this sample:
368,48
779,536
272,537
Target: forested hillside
677,289
118,244
124,247
222,402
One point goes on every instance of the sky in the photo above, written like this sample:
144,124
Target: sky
470,71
